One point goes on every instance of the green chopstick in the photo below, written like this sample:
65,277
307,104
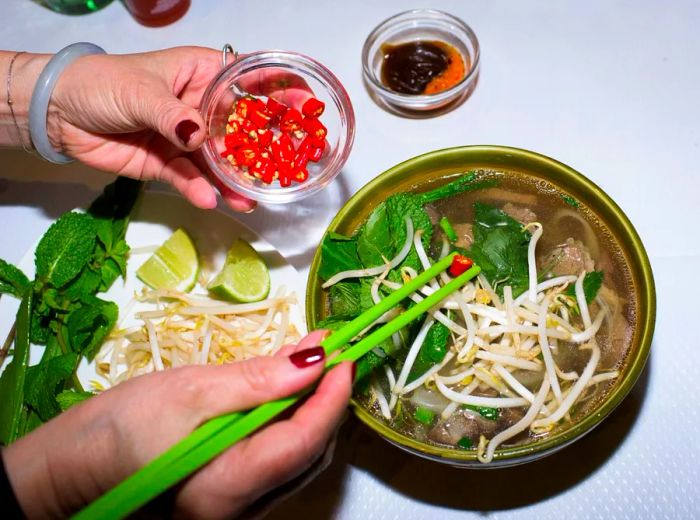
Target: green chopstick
220,433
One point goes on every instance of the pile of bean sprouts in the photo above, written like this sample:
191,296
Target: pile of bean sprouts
173,329
495,337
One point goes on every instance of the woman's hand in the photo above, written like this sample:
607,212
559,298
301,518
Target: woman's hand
137,115
76,457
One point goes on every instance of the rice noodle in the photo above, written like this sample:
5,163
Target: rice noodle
374,271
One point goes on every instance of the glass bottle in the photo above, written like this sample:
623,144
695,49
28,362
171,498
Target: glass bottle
76,6
156,13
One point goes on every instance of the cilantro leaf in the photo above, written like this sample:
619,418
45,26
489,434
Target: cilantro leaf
12,280
65,248
592,282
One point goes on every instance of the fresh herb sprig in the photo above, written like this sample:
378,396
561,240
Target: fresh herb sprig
79,256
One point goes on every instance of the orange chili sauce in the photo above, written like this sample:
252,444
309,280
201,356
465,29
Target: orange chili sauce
453,74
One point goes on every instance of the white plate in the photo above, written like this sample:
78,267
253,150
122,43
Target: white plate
153,220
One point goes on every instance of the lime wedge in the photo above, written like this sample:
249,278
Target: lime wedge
244,277
174,265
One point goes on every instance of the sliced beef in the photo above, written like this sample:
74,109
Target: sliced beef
520,213
571,257
462,423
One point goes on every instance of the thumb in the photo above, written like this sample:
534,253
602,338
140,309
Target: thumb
178,122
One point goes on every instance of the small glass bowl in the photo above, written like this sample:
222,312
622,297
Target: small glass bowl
286,76
420,24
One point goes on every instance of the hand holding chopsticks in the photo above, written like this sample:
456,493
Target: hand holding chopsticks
220,433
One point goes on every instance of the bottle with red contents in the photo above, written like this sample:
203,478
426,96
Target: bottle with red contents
156,13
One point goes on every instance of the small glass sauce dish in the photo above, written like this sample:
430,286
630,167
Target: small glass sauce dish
411,40
289,78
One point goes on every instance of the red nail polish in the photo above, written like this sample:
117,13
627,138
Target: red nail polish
185,129
307,357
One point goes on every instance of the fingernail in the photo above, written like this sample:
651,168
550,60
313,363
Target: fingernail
185,129
252,208
354,371
307,357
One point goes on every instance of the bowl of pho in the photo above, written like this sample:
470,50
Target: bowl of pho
528,356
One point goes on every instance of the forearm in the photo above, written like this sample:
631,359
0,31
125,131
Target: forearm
25,72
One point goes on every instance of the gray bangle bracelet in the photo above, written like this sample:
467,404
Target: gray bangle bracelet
41,96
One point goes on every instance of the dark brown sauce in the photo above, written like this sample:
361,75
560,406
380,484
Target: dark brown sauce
409,67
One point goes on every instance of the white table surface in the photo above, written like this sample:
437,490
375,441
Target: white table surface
608,87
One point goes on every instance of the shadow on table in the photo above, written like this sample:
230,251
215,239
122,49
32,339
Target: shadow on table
470,490
27,180
294,229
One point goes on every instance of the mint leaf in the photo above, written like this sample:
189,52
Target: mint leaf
338,253
374,241
65,248
89,325
12,280
42,382
69,398
87,283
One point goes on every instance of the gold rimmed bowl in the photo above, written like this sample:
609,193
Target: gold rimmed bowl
435,167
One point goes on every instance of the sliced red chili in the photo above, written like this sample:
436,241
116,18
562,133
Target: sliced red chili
313,107
249,128
242,107
275,107
246,155
233,141
285,173
282,149
460,263
301,175
260,167
259,118
264,138
291,121
301,158
316,152
314,128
